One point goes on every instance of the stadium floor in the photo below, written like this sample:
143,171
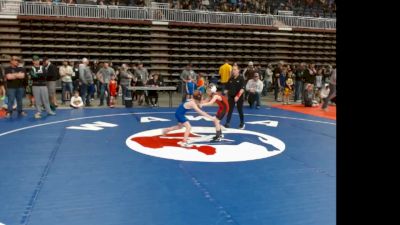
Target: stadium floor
91,166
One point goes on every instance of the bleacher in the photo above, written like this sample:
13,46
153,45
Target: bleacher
168,47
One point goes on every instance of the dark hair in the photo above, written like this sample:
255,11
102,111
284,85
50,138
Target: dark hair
197,95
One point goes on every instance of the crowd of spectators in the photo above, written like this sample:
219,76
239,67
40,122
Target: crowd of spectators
314,8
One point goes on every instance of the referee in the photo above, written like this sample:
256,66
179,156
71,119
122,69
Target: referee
234,90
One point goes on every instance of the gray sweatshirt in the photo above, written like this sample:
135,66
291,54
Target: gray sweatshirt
124,76
85,74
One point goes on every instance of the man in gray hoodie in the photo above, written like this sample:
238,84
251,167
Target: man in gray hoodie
86,79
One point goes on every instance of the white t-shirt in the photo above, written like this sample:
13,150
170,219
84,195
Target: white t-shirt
76,101
66,73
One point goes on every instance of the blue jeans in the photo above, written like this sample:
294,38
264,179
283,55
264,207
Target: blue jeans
254,97
12,94
85,93
104,87
66,86
298,90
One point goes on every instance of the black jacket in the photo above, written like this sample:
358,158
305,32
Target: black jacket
51,72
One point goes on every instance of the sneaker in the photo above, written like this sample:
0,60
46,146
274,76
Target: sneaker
37,115
51,113
8,115
216,138
184,144
226,125
22,113
242,126
258,107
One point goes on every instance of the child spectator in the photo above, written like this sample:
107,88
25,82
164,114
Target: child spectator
76,100
200,83
309,96
288,89
190,87
113,90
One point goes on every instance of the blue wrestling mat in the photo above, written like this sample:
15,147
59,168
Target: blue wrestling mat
112,167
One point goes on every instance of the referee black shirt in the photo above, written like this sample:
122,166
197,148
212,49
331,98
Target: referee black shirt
234,85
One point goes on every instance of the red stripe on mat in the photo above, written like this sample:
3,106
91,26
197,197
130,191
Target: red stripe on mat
314,111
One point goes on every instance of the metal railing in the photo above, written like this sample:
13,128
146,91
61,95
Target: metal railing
8,7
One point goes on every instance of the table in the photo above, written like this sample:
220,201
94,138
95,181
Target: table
170,89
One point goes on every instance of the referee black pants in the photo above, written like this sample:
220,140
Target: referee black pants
239,105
